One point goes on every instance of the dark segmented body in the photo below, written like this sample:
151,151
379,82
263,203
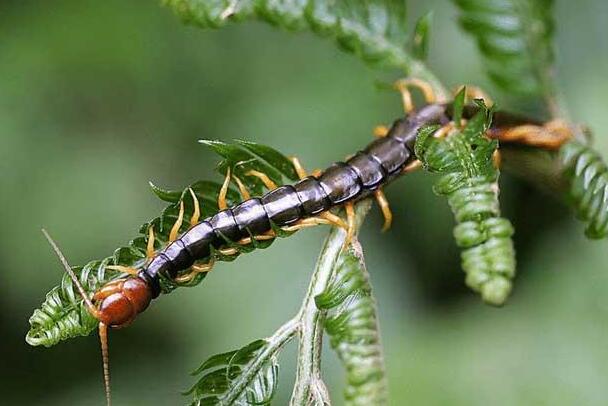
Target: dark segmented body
379,163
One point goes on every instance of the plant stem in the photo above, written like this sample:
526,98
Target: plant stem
280,337
309,385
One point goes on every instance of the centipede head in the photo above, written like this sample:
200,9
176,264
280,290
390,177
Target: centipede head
116,305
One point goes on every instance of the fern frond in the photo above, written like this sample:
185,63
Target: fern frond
469,179
515,37
373,30
588,174
352,324
376,31
63,314
244,377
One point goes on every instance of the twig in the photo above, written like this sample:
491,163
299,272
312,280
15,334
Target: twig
309,384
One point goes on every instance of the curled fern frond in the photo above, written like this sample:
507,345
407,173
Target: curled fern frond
588,174
63,314
515,37
469,179
352,324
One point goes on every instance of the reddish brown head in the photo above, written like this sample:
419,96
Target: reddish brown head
119,302
117,305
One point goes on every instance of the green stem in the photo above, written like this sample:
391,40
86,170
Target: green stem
275,342
309,384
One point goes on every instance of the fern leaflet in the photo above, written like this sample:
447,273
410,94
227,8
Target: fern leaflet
515,37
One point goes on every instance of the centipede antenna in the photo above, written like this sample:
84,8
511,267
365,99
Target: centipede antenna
71,273
105,357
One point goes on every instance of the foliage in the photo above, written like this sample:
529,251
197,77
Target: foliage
352,324
515,38
374,30
469,180
588,175
240,377
63,314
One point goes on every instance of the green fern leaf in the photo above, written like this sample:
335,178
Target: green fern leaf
352,324
588,175
469,179
374,30
63,315
515,37
243,377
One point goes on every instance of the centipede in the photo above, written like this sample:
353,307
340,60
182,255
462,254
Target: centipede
310,201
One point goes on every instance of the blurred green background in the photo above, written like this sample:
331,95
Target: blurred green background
98,97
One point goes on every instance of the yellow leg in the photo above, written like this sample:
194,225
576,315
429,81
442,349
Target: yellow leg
316,173
178,223
386,210
444,131
333,219
221,198
228,251
380,131
298,167
124,269
305,223
497,158
552,135
195,270
196,214
242,189
413,166
270,185
261,237
350,219
406,96
150,253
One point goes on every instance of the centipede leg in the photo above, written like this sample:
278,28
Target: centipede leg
406,96
124,269
298,167
497,158
412,166
386,210
195,270
196,213
150,245
221,198
333,219
178,223
350,220
269,183
306,223
242,189
380,131
261,237
552,135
